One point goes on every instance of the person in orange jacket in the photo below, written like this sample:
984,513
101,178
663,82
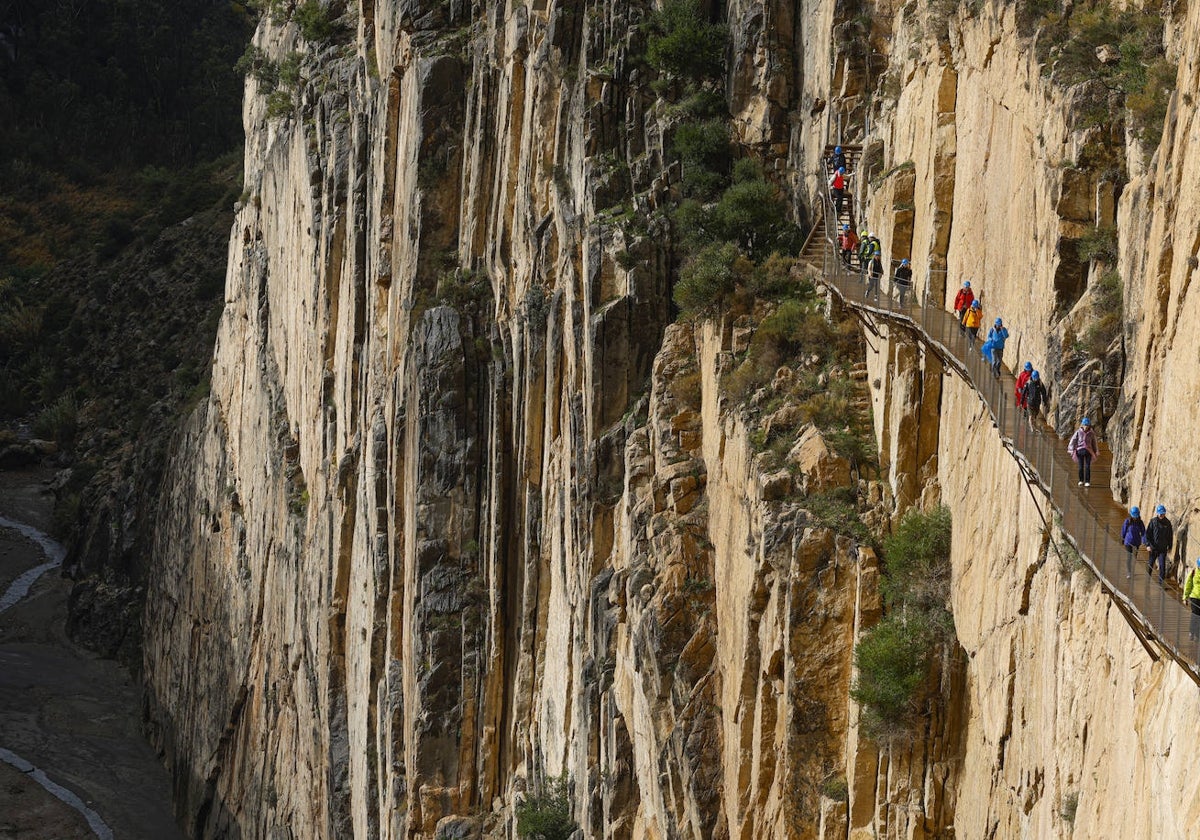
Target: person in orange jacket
971,321
848,243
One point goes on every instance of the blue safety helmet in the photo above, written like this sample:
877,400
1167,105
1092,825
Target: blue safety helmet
845,227
903,262
837,150
1198,562
841,170
1085,422
1029,366
999,322
967,284
975,305
1135,511
1035,376
1160,510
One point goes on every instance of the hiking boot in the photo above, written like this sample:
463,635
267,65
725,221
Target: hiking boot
1080,483
1087,484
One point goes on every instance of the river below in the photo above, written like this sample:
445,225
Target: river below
73,761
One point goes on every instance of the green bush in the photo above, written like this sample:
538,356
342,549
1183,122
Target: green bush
893,660
1068,43
703,149
708,278
747,169
1107,311
855,443
255,62
773,280
836,788
1099,244
547,814
894,657
59,421
315,22
682,44
825,410
20,326
753,214
700,105
917,560
837,510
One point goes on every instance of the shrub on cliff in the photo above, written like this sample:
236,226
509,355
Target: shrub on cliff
1123,50
315,21
703,150
894,657
1107,311
685,45
893,660
917,561
547,813
751,214
708,278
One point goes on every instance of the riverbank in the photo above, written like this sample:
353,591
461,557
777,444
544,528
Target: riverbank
67,713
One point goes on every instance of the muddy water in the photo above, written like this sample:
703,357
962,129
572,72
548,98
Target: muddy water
73,762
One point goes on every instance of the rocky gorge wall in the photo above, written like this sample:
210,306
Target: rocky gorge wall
436,536
448,525
978,177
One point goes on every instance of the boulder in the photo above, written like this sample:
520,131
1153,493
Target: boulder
822,469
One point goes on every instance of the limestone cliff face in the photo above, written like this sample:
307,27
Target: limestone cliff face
464,513
438,533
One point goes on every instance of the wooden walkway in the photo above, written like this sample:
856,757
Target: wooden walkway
1090,518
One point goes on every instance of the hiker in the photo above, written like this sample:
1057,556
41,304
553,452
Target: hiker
874,273
1019,387
1082,448
1159,537
837,189
962,302
1133,535
998,334
837,160
864,253
972,320
988,348
848,243
1033,397
902,279
1191,597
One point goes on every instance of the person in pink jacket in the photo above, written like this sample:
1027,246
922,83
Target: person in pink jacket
1082,447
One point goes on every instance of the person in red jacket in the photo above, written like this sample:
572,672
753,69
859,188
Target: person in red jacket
1022,378
837,189
962,302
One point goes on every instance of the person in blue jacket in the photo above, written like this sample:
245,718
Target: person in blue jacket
998,334
1133,534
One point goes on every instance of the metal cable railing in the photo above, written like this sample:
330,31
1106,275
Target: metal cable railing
1089,517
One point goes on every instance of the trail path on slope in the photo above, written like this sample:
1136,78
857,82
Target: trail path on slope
73,762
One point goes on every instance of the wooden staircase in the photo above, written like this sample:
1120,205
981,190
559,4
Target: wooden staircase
853,156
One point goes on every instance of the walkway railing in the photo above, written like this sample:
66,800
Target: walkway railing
1090,518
